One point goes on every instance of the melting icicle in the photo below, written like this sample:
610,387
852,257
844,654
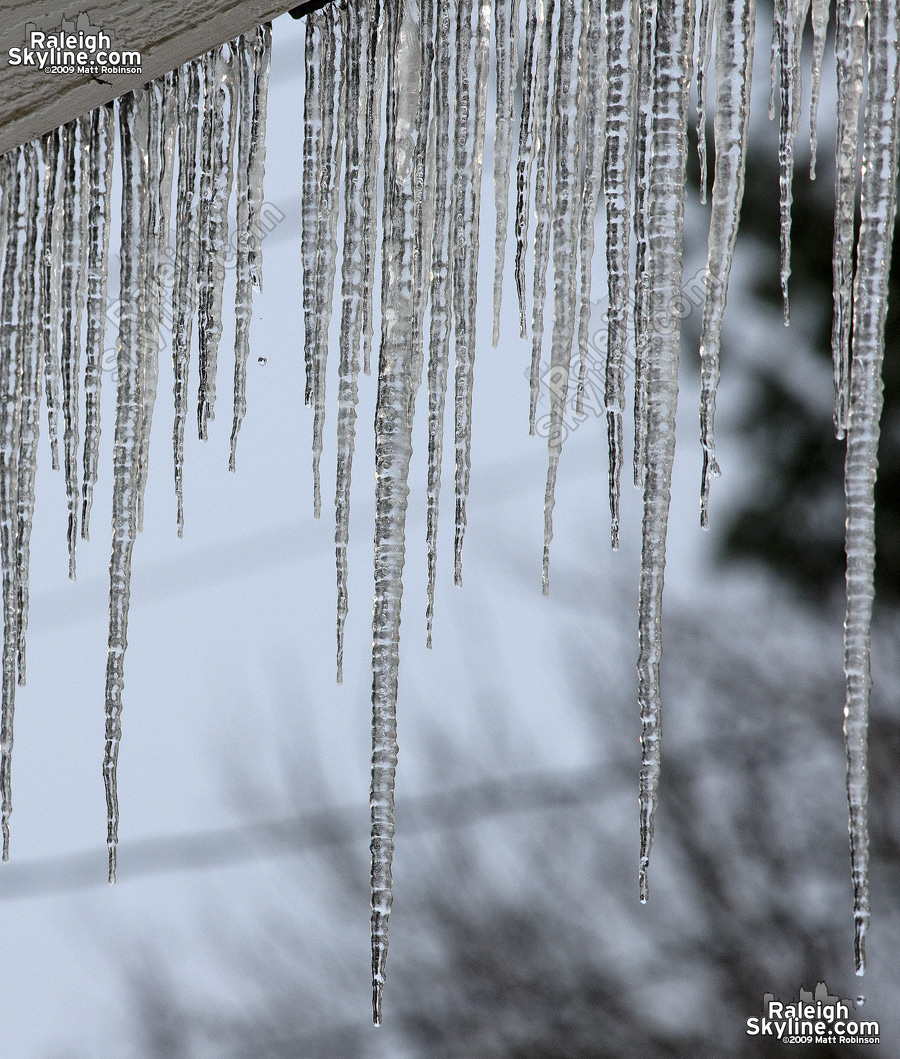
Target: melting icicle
327,182
101,162
621,27
71,331
186,253
441,309
704,32
312,147
820,12
544,132
29,354
592,89
870,291
734,68
534,18
784,16
565,251
10,384
849,49
471,116
668,155
376,65
506,37
356,20
51,149
641,192
393,449
219,125
255,55
134,112
151,295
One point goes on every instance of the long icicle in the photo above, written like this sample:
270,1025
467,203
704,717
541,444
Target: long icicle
32,376
734,68
355,73
441,289
668,156
102,140
849,50
134,113
621,27
187,247
878,207
10,386
393,450
470,128
566,229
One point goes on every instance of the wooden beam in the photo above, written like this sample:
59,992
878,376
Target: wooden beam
167,33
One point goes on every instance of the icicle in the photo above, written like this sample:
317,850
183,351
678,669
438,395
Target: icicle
641,192
621,29
543,196
870,293
327,184
592,87
820,12
51,268
71,332
312,148
219,125
566,229
356,19
253,88
243,284
186,263
506,38
393,449
10,386
441,308
102,148
375,84
262,53
784,15
134,115
30,358
467,173
849,49
668,155
534,19
151,297
734,69
704,32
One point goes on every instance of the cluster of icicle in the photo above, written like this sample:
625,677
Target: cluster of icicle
205,122
604,116
400,90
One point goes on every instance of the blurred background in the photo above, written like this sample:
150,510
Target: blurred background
239,925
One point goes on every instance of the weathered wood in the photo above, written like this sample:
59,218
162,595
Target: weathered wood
166,32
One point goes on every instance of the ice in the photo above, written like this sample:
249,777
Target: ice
850,53
878,205
734,68
102,150
621,26
566,230
668,155
184,290
506,37
10,369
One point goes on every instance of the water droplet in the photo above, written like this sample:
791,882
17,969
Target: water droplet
260,360
860,1000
